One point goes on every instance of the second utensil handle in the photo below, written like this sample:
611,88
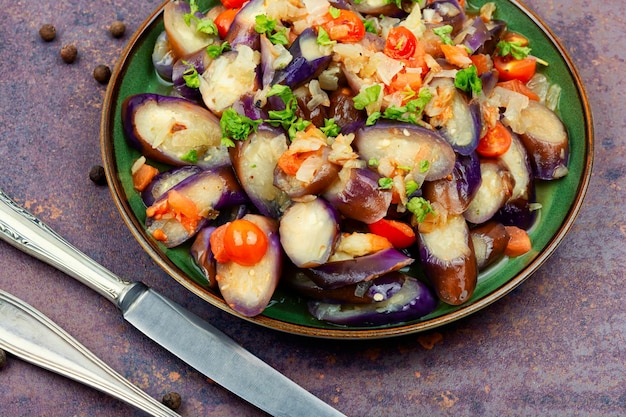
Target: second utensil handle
29,234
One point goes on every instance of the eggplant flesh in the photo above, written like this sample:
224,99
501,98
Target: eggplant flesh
184,39
166,180
495,189
209,191
202,255
408,145
248,289
456,192
173,130
309,231
447,255
546,141
489,241
413,301
254,161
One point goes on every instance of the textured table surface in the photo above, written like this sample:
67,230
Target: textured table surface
554,346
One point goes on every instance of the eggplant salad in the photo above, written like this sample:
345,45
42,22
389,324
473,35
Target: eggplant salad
372,156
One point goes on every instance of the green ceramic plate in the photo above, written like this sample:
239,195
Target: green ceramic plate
560,200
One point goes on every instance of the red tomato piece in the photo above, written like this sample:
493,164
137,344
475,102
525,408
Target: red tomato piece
401,43
347,27
510,68
398,233
233,4
224,20
245,242
496,141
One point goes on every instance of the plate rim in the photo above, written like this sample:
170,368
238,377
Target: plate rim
132,223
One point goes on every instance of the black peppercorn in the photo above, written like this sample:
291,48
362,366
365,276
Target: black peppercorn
48,32
97,175
102,74
117,29
69,53
3,358
172,400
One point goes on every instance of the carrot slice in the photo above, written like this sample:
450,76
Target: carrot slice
519,87
143,176
519,242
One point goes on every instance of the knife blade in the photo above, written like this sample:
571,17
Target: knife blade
184,334
30,335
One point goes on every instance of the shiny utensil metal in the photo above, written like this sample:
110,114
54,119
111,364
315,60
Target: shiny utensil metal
30,335
185,335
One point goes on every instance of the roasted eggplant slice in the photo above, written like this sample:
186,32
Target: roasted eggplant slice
248,289
413,301
489,240
174,131
496,187
447,255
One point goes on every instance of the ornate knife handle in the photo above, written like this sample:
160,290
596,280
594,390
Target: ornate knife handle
21,229
33,337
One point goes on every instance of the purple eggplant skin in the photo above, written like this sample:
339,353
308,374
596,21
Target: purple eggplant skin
199,61
248,289
210,191
451,13
409,145
166,180
414,301
246,105
363,268
342,108
546,140
170,129
489,240
447,256
184,39
477,36
321,178
309,232
241,31
357,195
254,161
163,57
495,189
517,211
456,192
202,255
309,59
495,29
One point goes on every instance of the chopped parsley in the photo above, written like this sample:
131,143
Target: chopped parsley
444,34
236,126
191,156
286,118
323,38
424,165
330,128
334,12
191,76
266,26
370,26
411,112
420,207
366,97
206,25
216,50
385,183
468,80
515,49
410,187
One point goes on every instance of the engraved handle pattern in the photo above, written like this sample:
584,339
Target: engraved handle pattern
29,234
32,336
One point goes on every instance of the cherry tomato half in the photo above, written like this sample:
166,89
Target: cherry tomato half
347,27
245,243
398,233
401,43
496,141
510,68
224,20
233,4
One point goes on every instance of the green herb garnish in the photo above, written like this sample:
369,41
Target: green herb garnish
366,97
420,207
216,50
385,183
515,49
444,34
236,126
330,128
468,80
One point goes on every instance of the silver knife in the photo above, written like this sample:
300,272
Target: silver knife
186,335
30,335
